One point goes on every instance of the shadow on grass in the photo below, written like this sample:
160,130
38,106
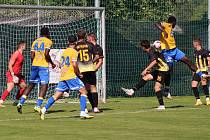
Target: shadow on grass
61,117
55,111
176,106
105,109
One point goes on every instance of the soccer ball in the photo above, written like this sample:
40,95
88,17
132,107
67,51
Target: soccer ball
157,44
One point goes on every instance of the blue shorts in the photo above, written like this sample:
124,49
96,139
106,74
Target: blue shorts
72,84
174,54
39,75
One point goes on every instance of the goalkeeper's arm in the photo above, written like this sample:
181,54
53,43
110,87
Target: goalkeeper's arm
12,62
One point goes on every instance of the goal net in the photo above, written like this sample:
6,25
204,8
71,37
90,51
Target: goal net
23,23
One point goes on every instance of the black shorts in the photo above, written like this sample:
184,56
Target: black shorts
198,78
160,76
89,77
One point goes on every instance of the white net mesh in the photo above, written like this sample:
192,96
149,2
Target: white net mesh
22,24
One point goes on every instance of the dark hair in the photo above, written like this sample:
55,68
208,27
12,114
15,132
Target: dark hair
172,19
20,43
45,31
72,39
145,44
92,35
197,40
81,34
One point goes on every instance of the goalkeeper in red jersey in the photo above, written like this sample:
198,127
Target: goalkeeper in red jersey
13,74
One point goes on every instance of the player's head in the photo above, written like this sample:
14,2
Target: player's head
172,20
91,37
197,43
81,34
145,45
45,32
21,45
72,40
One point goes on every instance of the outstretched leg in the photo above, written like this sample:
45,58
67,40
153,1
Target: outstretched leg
139,85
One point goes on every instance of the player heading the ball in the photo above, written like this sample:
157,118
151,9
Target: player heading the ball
159,74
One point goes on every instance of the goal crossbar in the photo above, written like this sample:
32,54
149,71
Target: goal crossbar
39,7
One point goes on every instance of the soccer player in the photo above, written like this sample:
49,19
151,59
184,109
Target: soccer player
14,76
86,66
202,61
159,74
93,98
169,49
69,79
40,68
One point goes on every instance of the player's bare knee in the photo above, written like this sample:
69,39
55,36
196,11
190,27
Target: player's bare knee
157,87
194,84
93,88
204,82
83,91
10,86
22,85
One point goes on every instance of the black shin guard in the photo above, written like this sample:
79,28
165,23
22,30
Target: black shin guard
140,84
95,99
205,90
90,98
159,95
196,93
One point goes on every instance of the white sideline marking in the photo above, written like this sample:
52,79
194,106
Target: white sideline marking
113,113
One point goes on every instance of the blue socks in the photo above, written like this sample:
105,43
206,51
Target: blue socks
82,102
50,102
22,99
199,73
39,101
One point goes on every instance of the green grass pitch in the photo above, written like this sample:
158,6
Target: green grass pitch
122,119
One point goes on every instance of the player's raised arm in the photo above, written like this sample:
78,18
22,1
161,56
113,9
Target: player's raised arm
161,27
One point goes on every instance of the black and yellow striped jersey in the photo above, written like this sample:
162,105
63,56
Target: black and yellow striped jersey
85,60
201,59
161,63
100,52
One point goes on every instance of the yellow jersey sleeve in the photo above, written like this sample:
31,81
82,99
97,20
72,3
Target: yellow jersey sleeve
48,44
74,55
169,41
32,46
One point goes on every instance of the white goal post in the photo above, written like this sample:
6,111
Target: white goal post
22,22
